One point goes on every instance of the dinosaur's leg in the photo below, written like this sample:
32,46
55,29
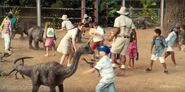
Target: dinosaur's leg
61,88
36,44
35,79
22,75
30,42
16,75
35,88
52,89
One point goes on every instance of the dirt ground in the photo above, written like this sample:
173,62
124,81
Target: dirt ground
136,80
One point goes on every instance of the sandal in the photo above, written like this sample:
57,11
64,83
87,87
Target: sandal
148,69
166,71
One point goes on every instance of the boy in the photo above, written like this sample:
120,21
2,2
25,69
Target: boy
106,71
97,38
158,52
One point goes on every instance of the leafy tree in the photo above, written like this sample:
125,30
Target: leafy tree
147,11
107,9
58,4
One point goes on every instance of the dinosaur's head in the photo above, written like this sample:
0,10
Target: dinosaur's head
85,49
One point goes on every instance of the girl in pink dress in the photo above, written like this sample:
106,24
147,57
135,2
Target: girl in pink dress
132,51
49,38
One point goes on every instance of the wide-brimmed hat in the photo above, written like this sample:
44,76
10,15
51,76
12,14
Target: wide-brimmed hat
104,48
10,12
64,17
85,15
123,11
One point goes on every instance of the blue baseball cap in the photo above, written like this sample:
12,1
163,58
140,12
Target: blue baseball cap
104,48
174,25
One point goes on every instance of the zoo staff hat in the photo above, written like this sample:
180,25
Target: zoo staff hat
64,17
123,11
104,48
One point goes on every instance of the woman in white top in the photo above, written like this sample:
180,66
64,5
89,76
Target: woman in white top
67,45
170,40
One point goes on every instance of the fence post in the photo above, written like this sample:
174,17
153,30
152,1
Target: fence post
82,8
38,13
96,10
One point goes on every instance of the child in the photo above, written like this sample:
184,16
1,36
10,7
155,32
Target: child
171,39
106,71
97,34
160,45
6,32
49,38
132,51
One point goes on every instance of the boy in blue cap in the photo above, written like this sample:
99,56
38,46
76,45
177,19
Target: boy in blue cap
105,69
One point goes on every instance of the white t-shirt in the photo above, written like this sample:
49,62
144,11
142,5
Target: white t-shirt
100,32
67,24
106,70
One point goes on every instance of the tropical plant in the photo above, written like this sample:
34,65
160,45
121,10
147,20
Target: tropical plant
147,11
16,13
107,9
58,4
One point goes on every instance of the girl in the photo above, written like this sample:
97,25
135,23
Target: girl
49,38
171,38
132,51
6,32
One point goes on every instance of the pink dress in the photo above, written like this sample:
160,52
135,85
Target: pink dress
49,42
132,49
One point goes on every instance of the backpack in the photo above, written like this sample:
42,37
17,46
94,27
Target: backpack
50,32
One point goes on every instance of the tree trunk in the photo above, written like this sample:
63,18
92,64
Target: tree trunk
174,12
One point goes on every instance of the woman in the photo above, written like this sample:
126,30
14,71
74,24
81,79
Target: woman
67,45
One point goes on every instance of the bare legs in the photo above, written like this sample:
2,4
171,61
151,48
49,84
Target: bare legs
131,63
69,57
151,66
172,53
53,50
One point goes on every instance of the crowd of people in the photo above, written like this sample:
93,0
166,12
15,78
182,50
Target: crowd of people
124,43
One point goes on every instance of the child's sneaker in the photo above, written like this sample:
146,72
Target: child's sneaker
46,55
114,65
122,67
68,65
166,71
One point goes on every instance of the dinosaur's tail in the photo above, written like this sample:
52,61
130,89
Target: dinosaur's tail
10,72
21,58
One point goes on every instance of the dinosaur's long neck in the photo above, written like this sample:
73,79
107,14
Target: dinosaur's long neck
72,69
26,70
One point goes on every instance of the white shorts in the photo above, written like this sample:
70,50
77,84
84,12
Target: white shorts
169,48
154,58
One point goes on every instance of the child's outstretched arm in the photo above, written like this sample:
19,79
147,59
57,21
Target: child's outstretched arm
92,70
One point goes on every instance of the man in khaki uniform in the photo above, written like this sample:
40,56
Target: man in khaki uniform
123,27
